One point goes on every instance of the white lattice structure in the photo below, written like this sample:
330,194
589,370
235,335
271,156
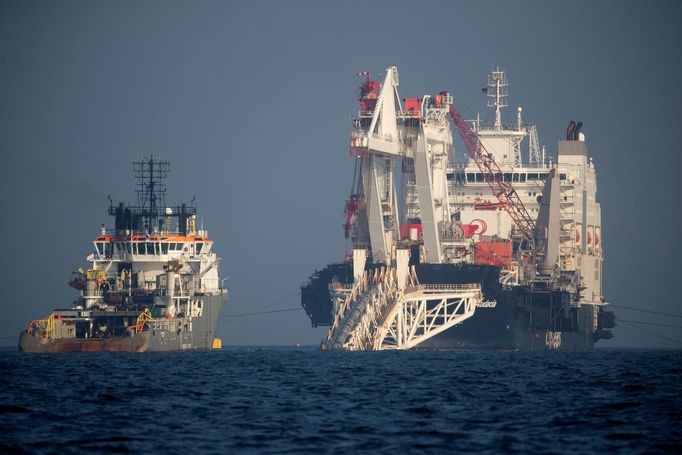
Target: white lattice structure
388,309
426,312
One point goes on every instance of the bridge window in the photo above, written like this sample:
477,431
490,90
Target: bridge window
164,248
198,248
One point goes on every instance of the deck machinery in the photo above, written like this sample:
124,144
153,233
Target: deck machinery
498,247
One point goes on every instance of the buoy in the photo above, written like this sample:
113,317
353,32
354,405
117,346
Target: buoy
217,343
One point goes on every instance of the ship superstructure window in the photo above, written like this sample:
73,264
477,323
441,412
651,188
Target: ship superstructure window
141,248
150,248
457,177
164,248
198,247
104,248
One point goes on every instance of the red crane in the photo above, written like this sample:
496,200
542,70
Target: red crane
494,176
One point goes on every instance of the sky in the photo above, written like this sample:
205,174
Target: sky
251,102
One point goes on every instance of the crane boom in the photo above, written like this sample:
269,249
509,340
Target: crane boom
494,176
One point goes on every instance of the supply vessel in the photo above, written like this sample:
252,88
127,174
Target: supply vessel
152,282
495,245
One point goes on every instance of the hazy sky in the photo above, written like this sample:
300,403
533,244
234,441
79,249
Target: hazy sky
251,102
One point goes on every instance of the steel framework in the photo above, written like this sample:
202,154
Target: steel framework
425,313
376,314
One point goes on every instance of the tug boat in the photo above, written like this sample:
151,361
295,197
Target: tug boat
152,283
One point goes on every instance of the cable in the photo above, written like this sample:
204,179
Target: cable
235,316
270,305
643,331
650,323
645,311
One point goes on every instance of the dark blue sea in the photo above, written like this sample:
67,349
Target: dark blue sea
288,400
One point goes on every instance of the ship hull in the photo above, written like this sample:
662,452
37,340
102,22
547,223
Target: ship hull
516,318
508,327
31,343
160,336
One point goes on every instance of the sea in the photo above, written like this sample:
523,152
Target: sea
304,400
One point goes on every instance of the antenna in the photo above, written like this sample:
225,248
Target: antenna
151,215
497,93
151,189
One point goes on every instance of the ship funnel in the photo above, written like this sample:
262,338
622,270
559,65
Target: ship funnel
576,132
569,130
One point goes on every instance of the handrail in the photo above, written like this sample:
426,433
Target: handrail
48,326
453,287
142,319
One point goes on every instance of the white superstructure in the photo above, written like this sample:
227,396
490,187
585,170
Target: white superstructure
415,187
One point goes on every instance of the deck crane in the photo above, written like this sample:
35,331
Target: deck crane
494,176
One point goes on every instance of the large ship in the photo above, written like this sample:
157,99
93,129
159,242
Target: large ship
152,283
498,247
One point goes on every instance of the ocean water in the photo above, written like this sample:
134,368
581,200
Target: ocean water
288,400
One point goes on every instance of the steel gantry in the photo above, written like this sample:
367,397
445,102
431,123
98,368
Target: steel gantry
425,312
387,308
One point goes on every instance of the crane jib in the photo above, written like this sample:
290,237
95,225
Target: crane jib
494,176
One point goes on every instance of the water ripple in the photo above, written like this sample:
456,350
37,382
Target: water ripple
276,400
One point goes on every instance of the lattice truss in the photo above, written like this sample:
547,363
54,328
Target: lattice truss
377,315
426,313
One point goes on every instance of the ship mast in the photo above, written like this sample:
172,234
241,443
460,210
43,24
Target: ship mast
151,189
151,215
497,93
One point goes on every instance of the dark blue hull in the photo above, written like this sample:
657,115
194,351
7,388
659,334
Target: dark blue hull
509,318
